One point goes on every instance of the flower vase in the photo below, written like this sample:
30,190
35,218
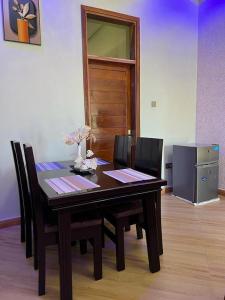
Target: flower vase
23,31
79,159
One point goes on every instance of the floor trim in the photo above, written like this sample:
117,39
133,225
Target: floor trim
221,192
168,189
9,222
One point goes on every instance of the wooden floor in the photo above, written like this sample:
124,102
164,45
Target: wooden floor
192,267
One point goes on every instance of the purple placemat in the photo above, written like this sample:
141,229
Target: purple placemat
128,175
101,162
48,166
69,184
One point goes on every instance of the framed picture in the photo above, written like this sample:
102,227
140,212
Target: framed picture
21,20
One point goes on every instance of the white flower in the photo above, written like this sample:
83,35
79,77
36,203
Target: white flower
82,133
69,140
89,153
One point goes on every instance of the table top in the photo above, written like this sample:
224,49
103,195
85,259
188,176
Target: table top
110,188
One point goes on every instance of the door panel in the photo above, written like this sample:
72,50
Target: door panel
108,110
108,121
112,98
109,85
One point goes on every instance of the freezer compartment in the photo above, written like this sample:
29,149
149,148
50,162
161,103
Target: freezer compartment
206,182
207,154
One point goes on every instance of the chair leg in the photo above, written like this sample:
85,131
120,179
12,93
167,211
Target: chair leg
103,235
73,243
22,223
139,231
127,227
28,239
120,259
35,248
41,269
97,253
22,229
83,246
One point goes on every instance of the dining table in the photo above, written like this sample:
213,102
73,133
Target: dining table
108,191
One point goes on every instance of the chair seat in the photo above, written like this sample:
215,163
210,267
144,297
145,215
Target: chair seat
124,210
75,225
78,219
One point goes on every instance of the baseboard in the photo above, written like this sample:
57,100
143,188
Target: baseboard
9,222
168,190
221,192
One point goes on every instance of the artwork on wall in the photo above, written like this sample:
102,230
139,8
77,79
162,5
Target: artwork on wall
21,20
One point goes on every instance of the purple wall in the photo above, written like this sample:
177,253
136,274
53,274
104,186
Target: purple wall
211,78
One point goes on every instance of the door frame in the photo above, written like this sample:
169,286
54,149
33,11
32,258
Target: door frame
134,63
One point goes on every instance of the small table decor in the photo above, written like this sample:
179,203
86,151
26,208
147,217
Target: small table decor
77,137
88,165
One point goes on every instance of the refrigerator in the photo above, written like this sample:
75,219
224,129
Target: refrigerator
195,172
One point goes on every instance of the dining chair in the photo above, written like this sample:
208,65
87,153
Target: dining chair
122,154
25,204
122,150
123,215
86,227
148,157
31,241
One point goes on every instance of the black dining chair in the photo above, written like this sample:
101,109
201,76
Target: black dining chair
148,158
122,150
86,227
25,204
125,214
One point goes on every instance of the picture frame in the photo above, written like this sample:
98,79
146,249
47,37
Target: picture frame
21,21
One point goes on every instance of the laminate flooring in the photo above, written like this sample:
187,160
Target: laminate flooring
192,266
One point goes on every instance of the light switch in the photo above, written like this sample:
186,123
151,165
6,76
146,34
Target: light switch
153,104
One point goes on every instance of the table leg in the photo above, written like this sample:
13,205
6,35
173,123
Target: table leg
149,210
159,221
64,223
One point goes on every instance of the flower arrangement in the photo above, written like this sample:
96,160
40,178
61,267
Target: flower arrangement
81,134
77,137
23,11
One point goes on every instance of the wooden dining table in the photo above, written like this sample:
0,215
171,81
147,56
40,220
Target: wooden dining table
110,192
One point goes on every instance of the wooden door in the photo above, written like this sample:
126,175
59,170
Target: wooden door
109,110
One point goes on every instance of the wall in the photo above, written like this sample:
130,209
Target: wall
41,88
211,78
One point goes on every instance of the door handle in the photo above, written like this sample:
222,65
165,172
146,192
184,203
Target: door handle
93,121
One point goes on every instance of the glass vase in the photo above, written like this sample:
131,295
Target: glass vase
79,159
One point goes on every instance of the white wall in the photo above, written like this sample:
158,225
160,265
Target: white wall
41,88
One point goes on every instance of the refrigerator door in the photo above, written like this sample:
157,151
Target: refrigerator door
207,182
207,154
184,172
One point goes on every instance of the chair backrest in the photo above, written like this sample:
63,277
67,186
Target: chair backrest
148,156
33,182
17,176
122,150
23,181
